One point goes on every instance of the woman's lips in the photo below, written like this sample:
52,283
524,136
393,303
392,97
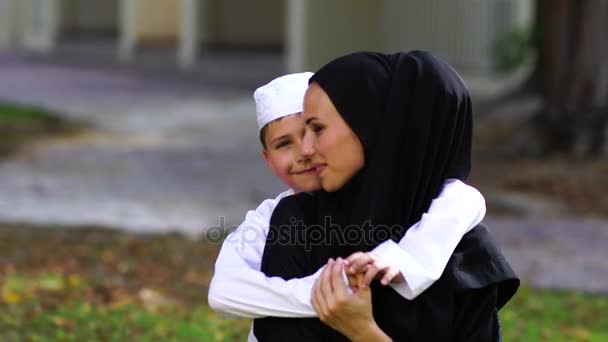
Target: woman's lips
312,170
320,168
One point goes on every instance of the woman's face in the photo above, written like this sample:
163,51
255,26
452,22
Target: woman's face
338,153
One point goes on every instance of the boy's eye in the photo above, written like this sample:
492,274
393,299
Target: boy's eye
282,144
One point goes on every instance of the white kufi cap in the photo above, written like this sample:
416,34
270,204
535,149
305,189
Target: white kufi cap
281,97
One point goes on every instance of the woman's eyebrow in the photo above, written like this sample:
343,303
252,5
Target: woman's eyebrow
310,119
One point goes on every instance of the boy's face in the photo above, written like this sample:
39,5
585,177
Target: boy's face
285,155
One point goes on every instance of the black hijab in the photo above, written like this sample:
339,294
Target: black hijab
412,113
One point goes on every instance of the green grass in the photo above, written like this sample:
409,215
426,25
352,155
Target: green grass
93,284
22,124
83,321
546,315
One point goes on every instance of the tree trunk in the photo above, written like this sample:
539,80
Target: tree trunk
572,75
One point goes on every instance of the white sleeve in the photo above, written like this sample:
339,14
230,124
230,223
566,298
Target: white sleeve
424,251
238,287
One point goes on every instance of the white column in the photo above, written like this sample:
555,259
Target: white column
189,34
41,25
524,13
295,42
6,23
127,40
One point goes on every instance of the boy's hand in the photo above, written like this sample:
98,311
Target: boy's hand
374,267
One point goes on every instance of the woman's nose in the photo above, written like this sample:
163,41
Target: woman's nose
308,145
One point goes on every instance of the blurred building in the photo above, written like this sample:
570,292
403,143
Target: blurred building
307,32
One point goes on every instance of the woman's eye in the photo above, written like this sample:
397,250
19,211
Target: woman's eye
317,128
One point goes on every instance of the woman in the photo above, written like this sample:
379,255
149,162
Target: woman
387,130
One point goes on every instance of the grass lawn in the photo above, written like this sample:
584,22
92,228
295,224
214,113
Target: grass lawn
543,315
22,124
91,284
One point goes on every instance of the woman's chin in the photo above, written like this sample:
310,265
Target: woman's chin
329,187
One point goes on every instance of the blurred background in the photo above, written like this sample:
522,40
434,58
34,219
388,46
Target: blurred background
127,131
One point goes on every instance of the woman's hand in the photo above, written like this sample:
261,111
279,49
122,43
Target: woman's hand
348,313
373,267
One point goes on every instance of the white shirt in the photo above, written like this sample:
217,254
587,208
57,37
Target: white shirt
238,287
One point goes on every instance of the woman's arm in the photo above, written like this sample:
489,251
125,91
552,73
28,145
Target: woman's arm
424,251
350,313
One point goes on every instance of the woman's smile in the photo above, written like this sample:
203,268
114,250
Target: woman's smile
307,171
319,168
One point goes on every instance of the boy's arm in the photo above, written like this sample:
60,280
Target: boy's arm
424,251
239,288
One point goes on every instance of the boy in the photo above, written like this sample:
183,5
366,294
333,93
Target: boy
238,286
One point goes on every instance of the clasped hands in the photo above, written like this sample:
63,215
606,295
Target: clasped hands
351,312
